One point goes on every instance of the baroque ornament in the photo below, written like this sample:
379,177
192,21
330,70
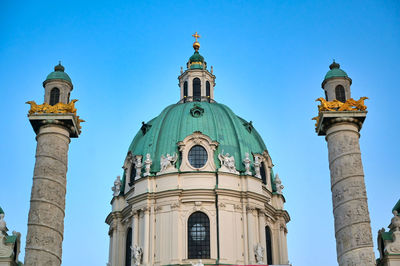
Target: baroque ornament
147,165
117,186
247,163
335,105
137,254
257,166
196,111
58,108
167,164
278,184
227,163
138,166
259,253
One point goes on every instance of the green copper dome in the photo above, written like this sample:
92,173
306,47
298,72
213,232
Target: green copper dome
58,74
1,211
160,135
335,71
196,61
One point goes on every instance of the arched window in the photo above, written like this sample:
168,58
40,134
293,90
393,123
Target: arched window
128,247
54,96
196,90
340,94
198,236
326,96
185,90
263,173
268,238
208,90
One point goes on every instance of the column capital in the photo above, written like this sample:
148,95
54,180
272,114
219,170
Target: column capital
327,119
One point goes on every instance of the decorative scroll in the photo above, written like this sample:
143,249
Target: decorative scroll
335,105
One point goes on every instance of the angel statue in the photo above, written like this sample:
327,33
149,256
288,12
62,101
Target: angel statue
167,163
278,184
117,186
259,253
257,166
147,165
247,163
227,163
137,254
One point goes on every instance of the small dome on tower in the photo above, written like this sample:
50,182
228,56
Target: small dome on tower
1,211
196,61
58,74
335,71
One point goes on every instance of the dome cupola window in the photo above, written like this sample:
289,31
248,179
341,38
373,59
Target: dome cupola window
208,90
197,156
54,96
185,91
340,93
196,89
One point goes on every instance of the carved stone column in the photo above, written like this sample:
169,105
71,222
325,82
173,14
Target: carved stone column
46,214
54,122
350,209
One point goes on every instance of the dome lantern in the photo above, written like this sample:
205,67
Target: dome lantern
336,83
196,83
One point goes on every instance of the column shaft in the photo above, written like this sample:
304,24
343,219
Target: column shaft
46,214
350,209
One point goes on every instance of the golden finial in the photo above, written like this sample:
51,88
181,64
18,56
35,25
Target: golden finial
196,44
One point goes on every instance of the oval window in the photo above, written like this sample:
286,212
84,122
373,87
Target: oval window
197,156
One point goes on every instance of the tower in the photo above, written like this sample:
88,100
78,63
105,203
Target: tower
197,187
54,122
340,119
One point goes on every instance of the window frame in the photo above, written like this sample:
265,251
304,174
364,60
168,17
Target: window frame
340,93
54,92
203,248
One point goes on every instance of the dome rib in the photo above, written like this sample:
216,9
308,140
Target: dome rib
237,158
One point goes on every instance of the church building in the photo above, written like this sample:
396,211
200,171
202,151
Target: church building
198,186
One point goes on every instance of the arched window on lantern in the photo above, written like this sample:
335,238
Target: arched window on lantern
128,245
196,89
185,91
198,236
268,243
54,96
340,93
208,91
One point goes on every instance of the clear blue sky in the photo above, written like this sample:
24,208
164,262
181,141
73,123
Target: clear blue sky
269,58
